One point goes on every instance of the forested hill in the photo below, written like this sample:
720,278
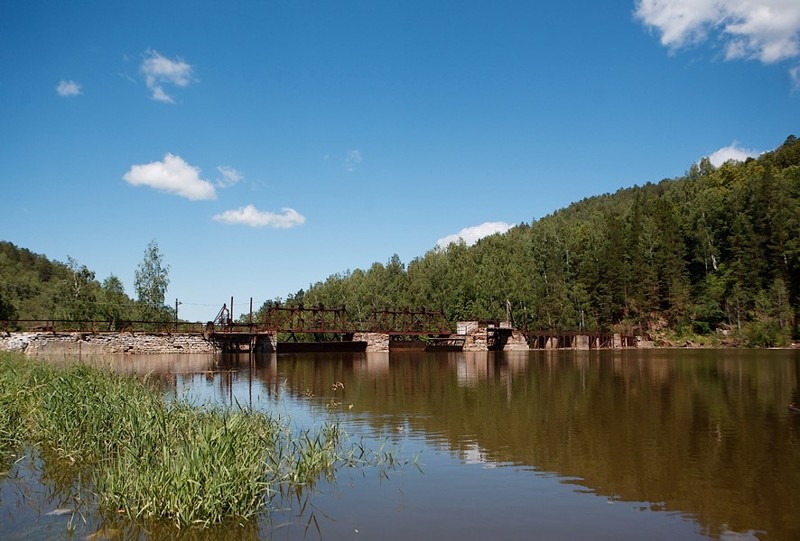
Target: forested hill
715,250
28,283
32,287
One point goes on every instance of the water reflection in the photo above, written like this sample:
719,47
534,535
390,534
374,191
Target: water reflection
670,443
702,433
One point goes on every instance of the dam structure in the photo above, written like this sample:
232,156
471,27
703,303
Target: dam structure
295,329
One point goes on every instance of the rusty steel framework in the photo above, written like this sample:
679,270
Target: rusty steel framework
409,322
99,326
323,320
300,319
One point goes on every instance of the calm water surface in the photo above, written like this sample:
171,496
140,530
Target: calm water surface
542,445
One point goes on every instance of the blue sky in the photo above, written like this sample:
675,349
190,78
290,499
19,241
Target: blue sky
267,145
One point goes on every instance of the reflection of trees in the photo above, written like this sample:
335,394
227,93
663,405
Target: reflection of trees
701,432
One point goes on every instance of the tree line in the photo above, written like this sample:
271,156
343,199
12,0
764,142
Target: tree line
32,287
713,253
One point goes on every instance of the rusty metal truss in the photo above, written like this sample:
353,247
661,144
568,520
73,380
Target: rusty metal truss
409,321
301,319
319,319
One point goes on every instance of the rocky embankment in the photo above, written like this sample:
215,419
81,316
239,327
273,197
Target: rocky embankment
43,343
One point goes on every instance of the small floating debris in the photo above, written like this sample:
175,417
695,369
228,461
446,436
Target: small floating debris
60,511
794,408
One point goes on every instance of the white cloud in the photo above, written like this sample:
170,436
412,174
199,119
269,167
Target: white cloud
230,176
794,73
172,175
732,152
68,88
766,30
352,160
160,71
471,235
253,217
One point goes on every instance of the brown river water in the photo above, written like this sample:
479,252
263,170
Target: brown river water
652,444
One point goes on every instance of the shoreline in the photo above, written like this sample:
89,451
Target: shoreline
128,343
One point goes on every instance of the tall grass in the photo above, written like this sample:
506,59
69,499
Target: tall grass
19,383
156,461
193,466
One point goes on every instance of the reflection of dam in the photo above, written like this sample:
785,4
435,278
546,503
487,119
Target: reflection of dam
700,432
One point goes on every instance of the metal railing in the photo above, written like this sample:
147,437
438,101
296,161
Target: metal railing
100,326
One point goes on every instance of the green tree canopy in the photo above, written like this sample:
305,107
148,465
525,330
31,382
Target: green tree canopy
150,281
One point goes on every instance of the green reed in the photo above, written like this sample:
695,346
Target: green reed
19,383
193,466
155,461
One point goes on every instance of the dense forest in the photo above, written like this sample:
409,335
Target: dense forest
32,287
715,253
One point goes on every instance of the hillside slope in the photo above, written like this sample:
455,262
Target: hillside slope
715,250
32,287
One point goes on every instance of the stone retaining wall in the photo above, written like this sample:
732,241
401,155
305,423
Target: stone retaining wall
476,338
376,342
42,343
516,342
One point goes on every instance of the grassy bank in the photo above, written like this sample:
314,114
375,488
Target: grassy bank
156,461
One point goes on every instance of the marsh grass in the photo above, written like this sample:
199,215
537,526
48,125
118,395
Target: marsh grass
19,383
160,462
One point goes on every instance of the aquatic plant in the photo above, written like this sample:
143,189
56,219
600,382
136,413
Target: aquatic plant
157,461
19,382
193,466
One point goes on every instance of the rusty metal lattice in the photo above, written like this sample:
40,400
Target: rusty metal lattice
301,319
409,322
